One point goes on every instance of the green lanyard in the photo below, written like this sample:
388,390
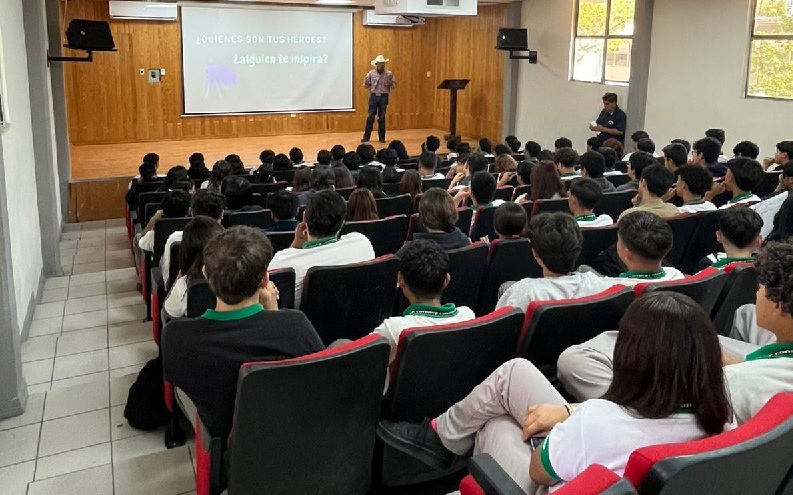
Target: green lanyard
445,311
772,351
741,197
319,242
586,218
644,275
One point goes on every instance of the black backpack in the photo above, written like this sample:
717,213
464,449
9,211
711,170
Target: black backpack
145,409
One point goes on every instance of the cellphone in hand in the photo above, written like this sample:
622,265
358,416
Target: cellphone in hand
535,442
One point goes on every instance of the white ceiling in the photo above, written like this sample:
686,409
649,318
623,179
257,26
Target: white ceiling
355,3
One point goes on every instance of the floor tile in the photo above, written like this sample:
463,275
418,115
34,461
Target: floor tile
19,444
14,479
93,225
88,268
119,426
94,481
46,326
79,341
84,321
49,310
129,333
119,387
73,460
132,354
119,263
74,432
115,286
89,255
100,379
87,278
85,305
38,388
72,227
128,370
38,348
87,290
53,295
80,364
93,240
78,399
67,268
118,245
122,299
166,473
146,443
126,314
70,236
116,223
32,414
116,254
37,371
122,274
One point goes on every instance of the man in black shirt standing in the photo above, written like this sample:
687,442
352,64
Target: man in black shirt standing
612,120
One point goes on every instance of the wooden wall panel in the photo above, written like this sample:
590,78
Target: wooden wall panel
100,199
109,102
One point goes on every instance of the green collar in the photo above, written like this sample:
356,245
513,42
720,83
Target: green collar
696,202
237,314
740,197
726,261
772,351
643,274
445,311
319,242
586,218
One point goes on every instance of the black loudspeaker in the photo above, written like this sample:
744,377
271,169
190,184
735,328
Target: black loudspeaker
83,34
512,39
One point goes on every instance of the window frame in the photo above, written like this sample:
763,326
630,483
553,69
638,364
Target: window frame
752,38
606,38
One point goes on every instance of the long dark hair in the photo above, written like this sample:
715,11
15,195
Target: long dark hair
545,181
667,357
197,233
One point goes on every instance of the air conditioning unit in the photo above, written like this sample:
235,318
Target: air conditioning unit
425,8
372,19
143,10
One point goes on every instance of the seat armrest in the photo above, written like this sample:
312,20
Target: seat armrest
491,477
157,281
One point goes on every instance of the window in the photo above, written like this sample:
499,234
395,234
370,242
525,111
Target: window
602,46
771,52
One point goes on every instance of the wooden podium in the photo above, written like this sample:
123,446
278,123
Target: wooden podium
453,85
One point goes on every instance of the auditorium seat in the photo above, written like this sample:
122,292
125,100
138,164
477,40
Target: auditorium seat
391,188
259,219
520,190
614,203
387,235
551,205
683,228
280,240
618,180
346,192
769,184
200,298
284,280
349,301
467,267
459,356
266,188
395,205
504,193
740,288
704,287
507,260
429,183
281,444
595,241
464,216
482,225
152,282
287,176
702,242
144,199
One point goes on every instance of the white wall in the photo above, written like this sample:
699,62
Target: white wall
20,175
550,105
698,72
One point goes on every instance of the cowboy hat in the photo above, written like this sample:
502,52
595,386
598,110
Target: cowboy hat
379,60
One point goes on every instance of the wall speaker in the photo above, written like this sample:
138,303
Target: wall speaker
84,34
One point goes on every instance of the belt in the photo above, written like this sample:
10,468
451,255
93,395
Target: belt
380,94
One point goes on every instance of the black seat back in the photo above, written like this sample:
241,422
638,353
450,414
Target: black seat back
467,267
508,260
396,205
428,183
162,230
704,287
504,193
483,224
613,204
199,298
173,268
770,181
702,242
154,197
595,241
266,188
387,235
551,206
284,280
260,219
740,288
618,180
280,240
683,228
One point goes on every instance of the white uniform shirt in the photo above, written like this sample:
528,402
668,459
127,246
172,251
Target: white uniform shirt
165,260
146,242
577,284
176,303
350,248
743,198
665,274
768,209
589,221
766,372
697,207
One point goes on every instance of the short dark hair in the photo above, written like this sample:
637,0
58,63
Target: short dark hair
609,157
586,191
437,210
483,187
502,149
658,179
267,156
366,152
476,163
424,266
464,149
302,179
774,267
698,179
196,234
236,262
514,144
786,147
322,177
152,158
196,159
717,134
677,153
283,205
389,157
646,234
371,178
665,339
338,152
556,240
324,157
594,164
282,162
545,155
532,148
524,171
325,213
296,155
485,146
747,149
639,135
562,142
747,173
787,169
433,143
452,143
510,220
351,160
739,226
237,167
175,204
640,160
684,142
594,142
428,160
238,192
208,203
175,174
709,147
147,171
342,177
610,97
399,147
646,144
568,157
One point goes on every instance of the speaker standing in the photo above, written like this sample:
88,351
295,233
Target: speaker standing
380,82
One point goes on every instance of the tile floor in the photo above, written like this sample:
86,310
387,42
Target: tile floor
87,343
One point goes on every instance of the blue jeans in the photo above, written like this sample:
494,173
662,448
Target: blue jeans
377,106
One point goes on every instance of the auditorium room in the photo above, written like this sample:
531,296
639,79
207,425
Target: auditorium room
471,228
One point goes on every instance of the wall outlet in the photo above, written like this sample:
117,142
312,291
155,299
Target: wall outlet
162,72
142,72
154,76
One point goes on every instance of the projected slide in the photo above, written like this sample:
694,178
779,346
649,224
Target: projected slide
239,60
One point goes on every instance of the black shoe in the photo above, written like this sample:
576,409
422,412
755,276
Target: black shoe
364,140
382,140
419,441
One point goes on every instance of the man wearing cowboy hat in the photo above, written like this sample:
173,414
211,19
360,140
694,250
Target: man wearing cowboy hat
379,82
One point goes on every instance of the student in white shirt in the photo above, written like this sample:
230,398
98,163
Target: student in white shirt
428,161
739,234
566,160
510,221
643,240
662,337
316,242
784,153
693,182
584,195
743,176
175,204
423,275
770,207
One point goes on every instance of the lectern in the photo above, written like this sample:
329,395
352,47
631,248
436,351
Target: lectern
453,85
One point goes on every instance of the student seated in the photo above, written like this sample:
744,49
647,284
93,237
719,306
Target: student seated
637,163
506,167
431,144
281,162
780,226
545,183
317,243
593,166
693,182
324,158
147,173
423,275
202,356
337,152
566,160
655,183
664,340
267,159
196,234
220,170
361,206
585,194
562,142
531,151
371,178
739,233
198,169
452,145
746,149
705,153
523,173
784,153
296,157
283,207
322,179
610,159
472,164
481,192
410,183
174,175
753,373
486,148
643,240
556,243
593,143
743,176
351,161
674,157
342,177
438,215
647,145
237,167
151,160
635,138
239,195
391,173
510,221
428,161
175,204
301,182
